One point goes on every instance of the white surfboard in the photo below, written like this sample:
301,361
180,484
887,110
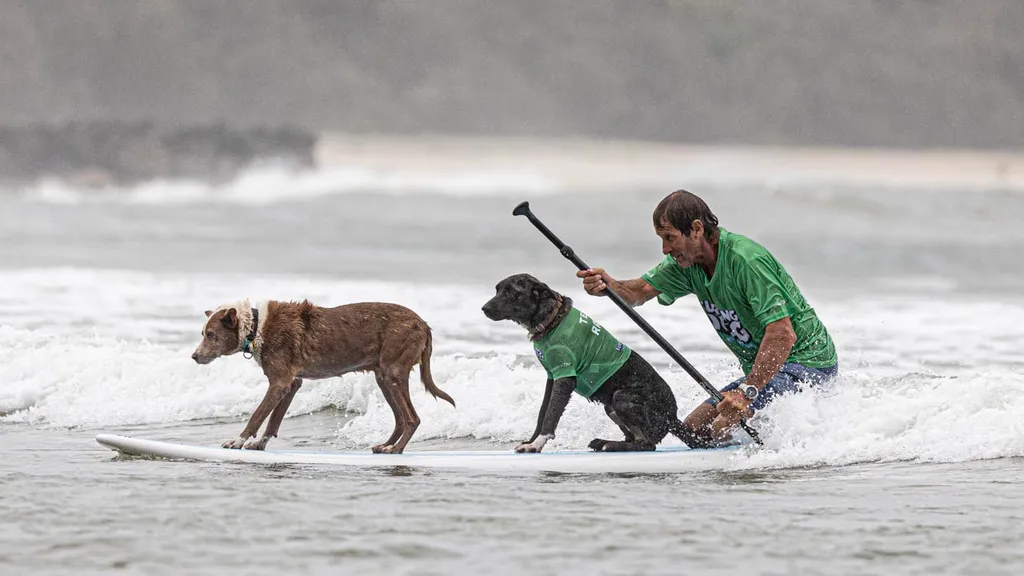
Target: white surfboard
665,459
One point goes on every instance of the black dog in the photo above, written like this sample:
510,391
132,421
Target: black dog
635,397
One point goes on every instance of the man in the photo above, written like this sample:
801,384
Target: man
751,301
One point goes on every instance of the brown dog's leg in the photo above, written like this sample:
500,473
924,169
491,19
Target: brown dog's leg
279,387
398,355
385,389
274,424
396,389
412,420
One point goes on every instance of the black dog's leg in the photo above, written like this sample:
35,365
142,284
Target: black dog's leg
561,391
598,444
626,432
630,412
646,401
543,410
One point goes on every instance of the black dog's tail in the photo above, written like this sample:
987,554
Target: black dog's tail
690,437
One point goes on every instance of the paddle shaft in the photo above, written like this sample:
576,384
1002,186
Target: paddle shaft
523,209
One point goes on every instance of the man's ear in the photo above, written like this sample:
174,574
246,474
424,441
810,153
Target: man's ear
231,318
697,227
208,313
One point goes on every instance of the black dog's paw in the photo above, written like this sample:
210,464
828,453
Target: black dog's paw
617,446
628,447
597,444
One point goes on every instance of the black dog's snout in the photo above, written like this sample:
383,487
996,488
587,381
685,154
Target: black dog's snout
490,309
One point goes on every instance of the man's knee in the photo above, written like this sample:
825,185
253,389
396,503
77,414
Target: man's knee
702,415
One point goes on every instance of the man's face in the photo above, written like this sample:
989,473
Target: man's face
683,249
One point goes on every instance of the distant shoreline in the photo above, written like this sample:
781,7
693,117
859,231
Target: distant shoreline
102,155
593,164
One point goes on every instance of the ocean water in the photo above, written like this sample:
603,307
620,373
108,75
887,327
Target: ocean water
908,464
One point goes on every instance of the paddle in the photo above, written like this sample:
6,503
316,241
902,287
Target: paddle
523,209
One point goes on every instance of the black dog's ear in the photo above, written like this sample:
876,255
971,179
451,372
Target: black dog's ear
230,318
540,290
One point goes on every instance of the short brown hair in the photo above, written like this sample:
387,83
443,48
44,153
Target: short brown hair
681,208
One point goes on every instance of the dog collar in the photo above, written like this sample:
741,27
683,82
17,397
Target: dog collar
247,344
544,325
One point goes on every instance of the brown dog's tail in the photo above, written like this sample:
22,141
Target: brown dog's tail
428,380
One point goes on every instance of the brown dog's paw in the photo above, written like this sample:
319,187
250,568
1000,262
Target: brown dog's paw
234,444
254,444
383,449
534,447
527,448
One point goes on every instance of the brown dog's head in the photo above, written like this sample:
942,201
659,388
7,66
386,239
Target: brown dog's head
526,301
222,334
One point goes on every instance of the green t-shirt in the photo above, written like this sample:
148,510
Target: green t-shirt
581,348
748,291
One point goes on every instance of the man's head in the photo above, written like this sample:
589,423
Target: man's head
221,334
686,226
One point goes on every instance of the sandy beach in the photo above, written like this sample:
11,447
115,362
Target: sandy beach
611,165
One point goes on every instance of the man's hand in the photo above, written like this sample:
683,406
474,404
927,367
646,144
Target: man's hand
595,280
533,447
635,292
734,406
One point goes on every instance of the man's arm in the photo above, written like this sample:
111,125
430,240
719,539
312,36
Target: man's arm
635,292
779,338
561,391
759,282
776,344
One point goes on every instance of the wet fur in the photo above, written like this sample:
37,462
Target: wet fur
298,340
636,398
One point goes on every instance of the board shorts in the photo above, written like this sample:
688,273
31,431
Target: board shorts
788,380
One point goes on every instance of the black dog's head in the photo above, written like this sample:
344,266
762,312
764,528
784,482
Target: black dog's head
526,301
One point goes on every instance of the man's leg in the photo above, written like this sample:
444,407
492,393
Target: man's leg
704,420
784,382
698,423
714,429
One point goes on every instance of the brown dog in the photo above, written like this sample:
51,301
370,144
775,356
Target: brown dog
296,340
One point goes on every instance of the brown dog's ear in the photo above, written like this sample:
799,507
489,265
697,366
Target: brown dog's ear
208,312
230,318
